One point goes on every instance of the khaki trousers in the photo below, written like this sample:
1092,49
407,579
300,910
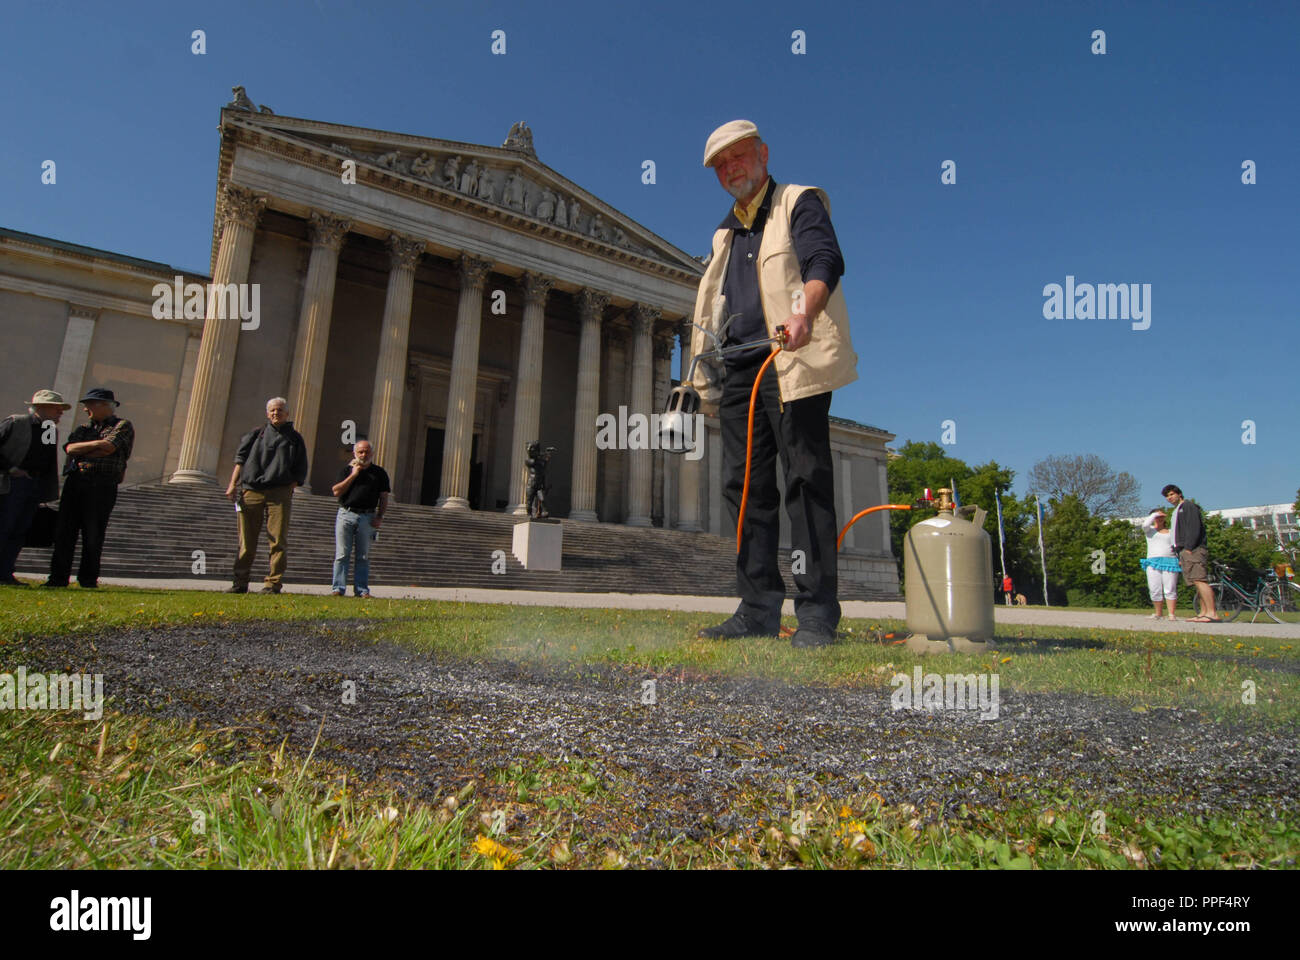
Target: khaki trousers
274,504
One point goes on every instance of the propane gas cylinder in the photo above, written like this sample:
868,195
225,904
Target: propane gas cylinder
948,569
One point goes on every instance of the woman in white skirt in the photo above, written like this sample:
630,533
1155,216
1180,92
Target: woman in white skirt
1161,565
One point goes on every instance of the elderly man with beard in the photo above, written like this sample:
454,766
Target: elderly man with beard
776,261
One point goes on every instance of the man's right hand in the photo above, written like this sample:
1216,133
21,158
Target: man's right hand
231,493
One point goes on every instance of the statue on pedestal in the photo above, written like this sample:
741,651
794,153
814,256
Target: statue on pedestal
537,462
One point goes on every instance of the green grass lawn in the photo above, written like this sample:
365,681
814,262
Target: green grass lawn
132,791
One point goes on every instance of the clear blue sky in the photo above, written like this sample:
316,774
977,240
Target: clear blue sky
1122,168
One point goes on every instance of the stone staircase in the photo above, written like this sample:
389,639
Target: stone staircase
156,529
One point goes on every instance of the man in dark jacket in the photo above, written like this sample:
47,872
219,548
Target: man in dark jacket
96,463
270,463
29,472
1187,527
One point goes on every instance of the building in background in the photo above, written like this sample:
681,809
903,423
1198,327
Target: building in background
450,301
1269,522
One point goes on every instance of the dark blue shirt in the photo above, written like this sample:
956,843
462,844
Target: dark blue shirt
819,259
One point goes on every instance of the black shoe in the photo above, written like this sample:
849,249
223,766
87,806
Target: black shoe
813,635
54,586
11,582
269,589
87,586
738,626
237,588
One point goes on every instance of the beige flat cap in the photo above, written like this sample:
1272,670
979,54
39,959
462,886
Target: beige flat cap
48,396
725,136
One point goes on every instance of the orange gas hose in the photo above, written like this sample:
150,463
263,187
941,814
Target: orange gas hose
749,456
749,444
862,513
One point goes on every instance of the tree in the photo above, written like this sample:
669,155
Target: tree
1102,491
922,465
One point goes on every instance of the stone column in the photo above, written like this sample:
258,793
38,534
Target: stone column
528,393
663,358
457,445
591,307
206,418
638,507
688,476
314,328
70,377
846,498
390,368
182,401
882,484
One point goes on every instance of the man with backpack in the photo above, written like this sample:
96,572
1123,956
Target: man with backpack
270,462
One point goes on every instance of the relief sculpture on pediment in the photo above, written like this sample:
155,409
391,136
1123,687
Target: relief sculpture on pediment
485,185
392,161
423,167
469,178
545,206
506,188
512,195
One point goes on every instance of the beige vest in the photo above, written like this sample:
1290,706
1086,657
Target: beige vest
827,362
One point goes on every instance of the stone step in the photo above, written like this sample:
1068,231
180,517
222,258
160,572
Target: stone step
156,528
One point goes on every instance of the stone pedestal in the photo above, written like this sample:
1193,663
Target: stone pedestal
538,544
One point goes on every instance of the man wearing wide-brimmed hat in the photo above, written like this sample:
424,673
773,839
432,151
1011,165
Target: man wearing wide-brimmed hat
29,472
775,262
97,455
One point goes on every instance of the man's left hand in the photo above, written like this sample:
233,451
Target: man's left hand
798,331
377,522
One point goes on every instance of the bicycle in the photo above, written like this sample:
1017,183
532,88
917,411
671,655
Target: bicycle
1231,599
1284,592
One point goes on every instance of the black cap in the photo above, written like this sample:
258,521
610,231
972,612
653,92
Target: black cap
99,393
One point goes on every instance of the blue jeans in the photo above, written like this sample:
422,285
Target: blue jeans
352,528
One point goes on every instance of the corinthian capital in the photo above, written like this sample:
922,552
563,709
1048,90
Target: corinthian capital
404,251
473,271
591,304
536,287
643,319
241,205
328,231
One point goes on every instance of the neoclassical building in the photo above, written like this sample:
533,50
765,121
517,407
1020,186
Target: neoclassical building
450,301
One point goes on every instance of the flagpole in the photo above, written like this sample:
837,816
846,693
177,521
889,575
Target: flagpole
1042,554
1002,550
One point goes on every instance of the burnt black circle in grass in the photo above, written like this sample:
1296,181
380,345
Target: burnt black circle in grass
427,722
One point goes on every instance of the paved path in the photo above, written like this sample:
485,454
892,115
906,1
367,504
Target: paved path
1004,616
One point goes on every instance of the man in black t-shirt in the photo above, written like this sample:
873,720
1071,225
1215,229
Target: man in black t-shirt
363,491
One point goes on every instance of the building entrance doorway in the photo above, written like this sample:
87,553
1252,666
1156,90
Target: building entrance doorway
431,479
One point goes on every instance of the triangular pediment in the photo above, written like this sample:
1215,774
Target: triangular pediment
506,179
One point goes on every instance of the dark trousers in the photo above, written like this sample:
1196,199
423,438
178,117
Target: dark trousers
800,436
84,509
17,508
